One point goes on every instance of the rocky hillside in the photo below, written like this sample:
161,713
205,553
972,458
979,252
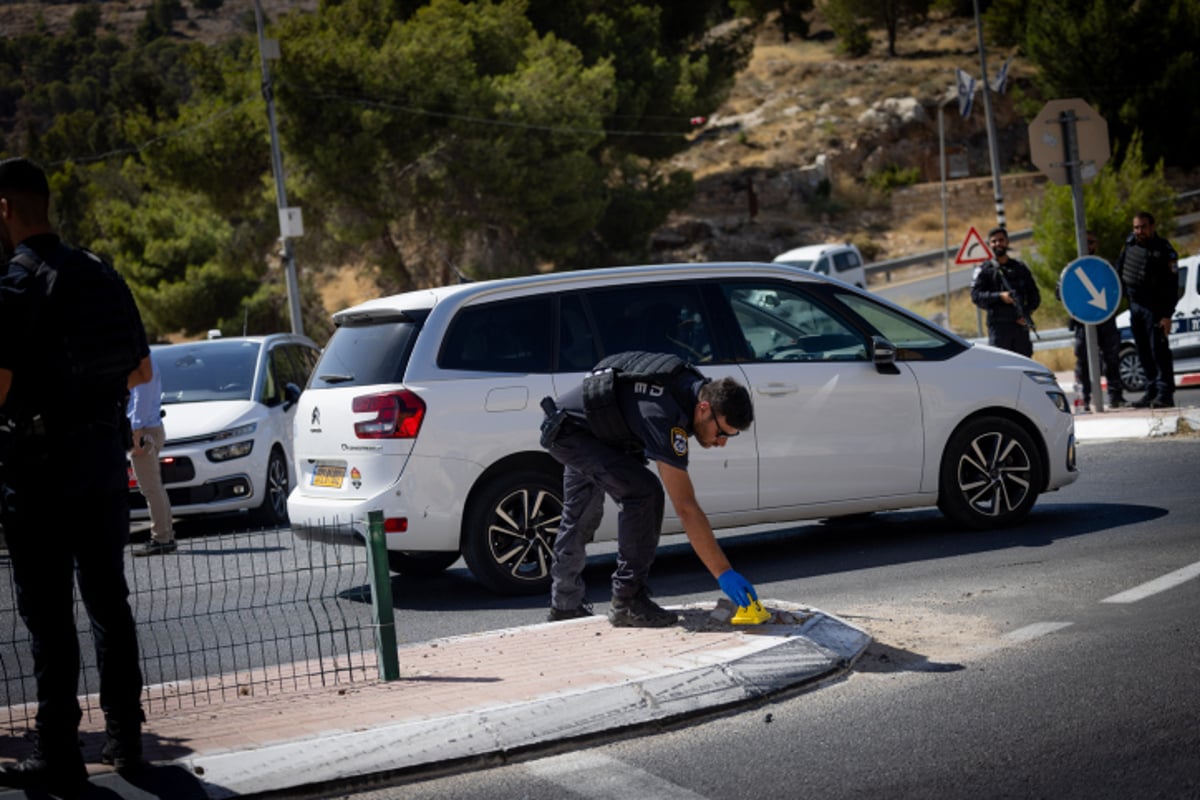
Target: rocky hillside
792,157
796,153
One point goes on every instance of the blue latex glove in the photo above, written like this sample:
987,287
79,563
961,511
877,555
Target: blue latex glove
737,588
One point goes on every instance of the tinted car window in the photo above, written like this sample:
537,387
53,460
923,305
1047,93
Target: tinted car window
658,319
289,364
510,336
912,340
365,353
782,324
846,260
576,347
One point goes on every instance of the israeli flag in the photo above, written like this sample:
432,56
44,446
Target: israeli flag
966,92
1001,81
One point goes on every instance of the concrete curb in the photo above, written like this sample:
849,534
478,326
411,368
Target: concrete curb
786,657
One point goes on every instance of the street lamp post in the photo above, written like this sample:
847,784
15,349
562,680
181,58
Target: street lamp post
289,218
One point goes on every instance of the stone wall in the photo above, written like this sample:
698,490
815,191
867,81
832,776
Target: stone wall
970,197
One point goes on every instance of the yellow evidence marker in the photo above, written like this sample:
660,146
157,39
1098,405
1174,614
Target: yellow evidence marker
753,614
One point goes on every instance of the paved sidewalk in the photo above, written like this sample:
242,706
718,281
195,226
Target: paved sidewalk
476,696
1132,423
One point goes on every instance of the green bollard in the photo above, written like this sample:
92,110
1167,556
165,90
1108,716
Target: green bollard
382,614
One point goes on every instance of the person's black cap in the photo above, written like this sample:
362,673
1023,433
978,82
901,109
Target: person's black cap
22,175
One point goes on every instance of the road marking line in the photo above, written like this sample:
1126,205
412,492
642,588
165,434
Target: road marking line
599,777
1168,581
1035,630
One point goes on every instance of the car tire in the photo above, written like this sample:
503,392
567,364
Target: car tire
509,538
273,510
420,565
1133,377
991,474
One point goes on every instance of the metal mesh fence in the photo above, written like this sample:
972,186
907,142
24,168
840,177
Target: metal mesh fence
224,616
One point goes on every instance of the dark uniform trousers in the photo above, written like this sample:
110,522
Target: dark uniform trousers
592,469
1154,351
1109,340
59,527
1010,336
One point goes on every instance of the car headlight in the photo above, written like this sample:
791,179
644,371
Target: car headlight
1056,394
236,450
233,433
229,451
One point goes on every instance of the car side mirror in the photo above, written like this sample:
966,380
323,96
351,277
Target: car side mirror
291,394
883,353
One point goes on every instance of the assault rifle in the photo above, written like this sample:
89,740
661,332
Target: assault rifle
1016,298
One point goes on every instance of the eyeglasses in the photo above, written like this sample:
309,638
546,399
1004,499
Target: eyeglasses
723,434
1140,227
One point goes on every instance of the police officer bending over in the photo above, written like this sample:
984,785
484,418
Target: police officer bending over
631,407
71,343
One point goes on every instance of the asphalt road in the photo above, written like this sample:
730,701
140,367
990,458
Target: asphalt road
1049,661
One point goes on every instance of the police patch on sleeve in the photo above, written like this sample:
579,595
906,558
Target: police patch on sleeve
679,441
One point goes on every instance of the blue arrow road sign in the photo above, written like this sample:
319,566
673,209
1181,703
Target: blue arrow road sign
1091,290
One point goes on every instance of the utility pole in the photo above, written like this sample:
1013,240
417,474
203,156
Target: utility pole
945,217
290,222
991,123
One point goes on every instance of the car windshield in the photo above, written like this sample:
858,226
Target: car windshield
204,371
801,263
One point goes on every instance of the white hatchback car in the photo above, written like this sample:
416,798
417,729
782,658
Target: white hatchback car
424,406
227,410
842,261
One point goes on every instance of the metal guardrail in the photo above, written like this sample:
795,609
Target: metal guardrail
916,259
1052,339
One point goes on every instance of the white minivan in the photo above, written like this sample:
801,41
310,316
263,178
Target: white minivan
842,261
425,407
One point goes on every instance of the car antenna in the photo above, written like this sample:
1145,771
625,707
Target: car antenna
458,273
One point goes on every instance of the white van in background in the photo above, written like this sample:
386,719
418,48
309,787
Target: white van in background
842,261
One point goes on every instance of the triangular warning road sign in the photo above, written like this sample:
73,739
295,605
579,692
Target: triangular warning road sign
973,250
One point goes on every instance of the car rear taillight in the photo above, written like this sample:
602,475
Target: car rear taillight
398,415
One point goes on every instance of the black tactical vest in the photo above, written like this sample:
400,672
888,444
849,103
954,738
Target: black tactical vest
1133,266
600,402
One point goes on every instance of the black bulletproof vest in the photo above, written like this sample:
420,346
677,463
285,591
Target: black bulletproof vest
600,402
1133,267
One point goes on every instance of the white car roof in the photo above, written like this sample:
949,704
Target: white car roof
810,252
460,292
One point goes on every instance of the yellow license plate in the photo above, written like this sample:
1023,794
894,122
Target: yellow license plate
329,476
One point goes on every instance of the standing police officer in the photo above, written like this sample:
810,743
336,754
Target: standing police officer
1149,270
67,358
602,432
1005,288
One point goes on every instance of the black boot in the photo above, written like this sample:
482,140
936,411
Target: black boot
123,749
58,770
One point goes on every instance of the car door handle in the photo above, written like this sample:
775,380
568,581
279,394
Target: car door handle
776,389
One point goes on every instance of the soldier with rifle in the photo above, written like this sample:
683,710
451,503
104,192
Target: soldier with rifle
1005,288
